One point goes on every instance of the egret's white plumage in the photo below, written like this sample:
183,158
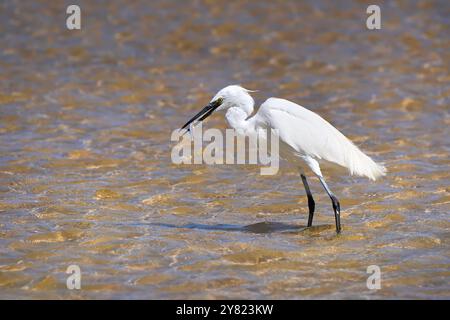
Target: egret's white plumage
313,138
304,135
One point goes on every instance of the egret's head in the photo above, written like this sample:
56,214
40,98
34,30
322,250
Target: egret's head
234,96
231,96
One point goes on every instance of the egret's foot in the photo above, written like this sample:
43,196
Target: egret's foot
311,206
337,212
311,203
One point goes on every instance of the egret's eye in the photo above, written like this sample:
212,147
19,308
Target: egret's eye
219,100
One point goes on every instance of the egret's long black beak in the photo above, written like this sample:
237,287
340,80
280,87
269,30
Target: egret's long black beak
204,113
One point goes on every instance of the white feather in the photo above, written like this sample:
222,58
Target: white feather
304,134
311,136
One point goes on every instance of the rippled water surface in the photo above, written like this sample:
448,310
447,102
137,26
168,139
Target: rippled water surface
85,170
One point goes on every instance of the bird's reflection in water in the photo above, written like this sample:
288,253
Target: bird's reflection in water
260,227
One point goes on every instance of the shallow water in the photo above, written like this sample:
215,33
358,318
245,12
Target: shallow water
85,170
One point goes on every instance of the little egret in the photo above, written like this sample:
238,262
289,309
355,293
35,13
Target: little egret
305,138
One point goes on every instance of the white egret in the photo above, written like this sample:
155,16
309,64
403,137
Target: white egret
305,137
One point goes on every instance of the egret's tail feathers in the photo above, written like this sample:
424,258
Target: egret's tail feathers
362,165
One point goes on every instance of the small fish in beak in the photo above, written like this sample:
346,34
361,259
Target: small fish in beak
203,114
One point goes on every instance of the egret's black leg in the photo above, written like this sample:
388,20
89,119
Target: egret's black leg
311,203
336,205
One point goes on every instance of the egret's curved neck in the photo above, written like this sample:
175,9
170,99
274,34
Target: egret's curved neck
237,119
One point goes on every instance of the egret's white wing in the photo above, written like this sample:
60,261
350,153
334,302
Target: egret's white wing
310,135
